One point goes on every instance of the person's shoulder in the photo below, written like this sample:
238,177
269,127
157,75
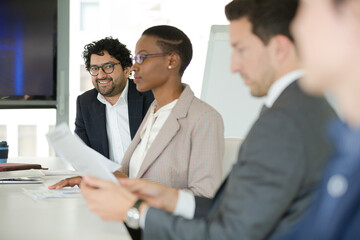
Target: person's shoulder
92,93
87,98
295,101
200,108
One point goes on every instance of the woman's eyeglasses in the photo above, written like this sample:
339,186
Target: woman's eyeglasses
140,58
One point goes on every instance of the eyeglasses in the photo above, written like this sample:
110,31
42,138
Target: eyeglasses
140,58
107,68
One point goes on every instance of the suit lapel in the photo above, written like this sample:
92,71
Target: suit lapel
135,108
99,125
168,130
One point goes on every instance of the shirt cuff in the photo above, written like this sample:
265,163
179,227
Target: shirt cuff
185,205
143,218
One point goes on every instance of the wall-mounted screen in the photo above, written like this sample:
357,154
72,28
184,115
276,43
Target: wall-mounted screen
28,53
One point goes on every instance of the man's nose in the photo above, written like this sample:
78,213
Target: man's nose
101,74
236,64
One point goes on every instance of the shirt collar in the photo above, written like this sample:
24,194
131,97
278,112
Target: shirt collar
279,86
164,108
123,96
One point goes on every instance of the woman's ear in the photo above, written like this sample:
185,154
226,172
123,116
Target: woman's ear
174,61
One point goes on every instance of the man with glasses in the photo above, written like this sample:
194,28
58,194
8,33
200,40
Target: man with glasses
108,116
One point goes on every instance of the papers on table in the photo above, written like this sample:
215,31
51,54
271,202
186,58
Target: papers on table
21,176
60,172
83,159
58,193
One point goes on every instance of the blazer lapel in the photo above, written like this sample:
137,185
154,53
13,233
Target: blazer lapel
168,130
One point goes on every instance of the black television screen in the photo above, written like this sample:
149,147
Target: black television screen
28,50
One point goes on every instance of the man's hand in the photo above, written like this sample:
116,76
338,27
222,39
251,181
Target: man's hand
155,194
108,200
68,182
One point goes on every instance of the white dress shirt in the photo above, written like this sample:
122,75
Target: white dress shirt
151,128
117,125
279,86
185,205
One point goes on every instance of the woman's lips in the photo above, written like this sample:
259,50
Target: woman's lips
137,79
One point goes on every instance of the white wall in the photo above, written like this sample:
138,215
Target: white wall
225,91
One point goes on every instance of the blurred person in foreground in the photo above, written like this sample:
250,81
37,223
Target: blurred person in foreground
328,36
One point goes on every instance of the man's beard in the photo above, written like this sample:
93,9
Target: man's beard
106,92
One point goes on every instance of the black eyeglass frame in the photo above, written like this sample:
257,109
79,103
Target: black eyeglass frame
102,68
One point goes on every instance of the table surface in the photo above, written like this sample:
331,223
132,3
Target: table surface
21,217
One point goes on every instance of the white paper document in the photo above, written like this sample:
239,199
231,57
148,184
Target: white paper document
84,159
60,172
56,193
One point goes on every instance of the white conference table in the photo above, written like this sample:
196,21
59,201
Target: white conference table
21,217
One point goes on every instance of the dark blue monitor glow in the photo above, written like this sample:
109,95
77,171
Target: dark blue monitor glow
28,49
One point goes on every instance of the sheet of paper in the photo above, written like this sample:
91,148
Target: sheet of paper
60,193
85,160
60,172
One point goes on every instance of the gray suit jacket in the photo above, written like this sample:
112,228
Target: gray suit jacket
187,153
272,183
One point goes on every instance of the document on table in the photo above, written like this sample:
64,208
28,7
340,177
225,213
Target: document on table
56,193
84,159
60,172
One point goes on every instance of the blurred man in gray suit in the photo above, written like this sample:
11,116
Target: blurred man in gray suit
279,162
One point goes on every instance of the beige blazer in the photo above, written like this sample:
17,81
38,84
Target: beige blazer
187,153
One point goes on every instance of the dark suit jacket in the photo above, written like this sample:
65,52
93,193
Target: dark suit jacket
272,183
90,122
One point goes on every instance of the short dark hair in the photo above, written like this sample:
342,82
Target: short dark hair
268,17
172,40
339,2
113,46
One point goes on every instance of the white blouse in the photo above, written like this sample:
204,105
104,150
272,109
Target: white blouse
148,133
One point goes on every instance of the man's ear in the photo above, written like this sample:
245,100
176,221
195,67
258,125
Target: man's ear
127,72
281,47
